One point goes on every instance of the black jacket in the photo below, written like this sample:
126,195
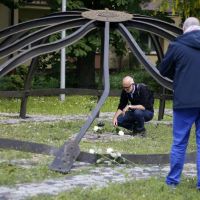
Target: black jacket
140,97
182,64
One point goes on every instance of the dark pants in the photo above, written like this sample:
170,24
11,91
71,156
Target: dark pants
134,119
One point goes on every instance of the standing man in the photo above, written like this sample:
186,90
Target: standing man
182,64
134,107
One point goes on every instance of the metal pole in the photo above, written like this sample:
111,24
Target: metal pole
63,57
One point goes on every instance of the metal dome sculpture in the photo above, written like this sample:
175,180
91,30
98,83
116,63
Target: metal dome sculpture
16,38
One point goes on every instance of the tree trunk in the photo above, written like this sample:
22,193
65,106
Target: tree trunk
86,71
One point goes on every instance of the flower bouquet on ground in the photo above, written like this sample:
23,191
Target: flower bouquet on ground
112,157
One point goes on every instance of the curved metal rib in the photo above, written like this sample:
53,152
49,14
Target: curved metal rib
46,48
44,149
106,86
157,46
147,27
67,12
24,41
70,151
143,59
45,21
26,146
162,24
9,40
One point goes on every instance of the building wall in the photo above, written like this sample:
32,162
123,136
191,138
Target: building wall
5,15
28,13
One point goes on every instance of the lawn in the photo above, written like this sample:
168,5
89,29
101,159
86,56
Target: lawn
158,140
151,189
71,105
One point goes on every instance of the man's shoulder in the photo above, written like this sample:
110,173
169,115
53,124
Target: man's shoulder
123,92
141,85
174,44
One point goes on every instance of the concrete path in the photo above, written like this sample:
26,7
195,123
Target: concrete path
13,118
99,177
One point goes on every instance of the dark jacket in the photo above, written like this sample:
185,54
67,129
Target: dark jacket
139,97
182,64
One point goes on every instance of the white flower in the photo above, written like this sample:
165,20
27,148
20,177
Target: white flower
119,154
121,133
92,151
100,160
109,150
96,128
113,154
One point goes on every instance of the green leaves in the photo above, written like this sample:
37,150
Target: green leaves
182,8
12,4
120,2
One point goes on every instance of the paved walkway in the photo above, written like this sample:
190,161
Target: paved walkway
13,118
99,177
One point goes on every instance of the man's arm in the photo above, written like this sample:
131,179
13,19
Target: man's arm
118,112
166,67
128,107
121,107
138,107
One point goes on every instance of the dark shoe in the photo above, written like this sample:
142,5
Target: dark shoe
101,124
141,133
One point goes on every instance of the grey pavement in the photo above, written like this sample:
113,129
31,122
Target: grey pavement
95,177
13,118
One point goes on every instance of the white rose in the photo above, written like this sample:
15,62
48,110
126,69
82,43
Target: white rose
119,154
109,150
114,155
96,128
92,151
121,133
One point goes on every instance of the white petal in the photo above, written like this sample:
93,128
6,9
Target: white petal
119,154
114,155
109,150
92,151
96,128
121,133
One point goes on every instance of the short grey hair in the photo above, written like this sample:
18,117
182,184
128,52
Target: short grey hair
190,21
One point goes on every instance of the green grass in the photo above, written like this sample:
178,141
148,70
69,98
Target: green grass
50,133
71,105
151,189
11,174
158,140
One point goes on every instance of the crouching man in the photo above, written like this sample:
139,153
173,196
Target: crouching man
135,107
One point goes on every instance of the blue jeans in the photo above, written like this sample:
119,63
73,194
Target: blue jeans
182,123
134,119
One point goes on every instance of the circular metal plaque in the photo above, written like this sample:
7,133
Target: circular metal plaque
107,15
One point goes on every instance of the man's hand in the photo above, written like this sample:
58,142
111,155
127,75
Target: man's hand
115,121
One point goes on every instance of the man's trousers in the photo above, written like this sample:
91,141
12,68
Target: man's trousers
183,120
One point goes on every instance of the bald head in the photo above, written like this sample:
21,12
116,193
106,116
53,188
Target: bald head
189,22
127,83
127,80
